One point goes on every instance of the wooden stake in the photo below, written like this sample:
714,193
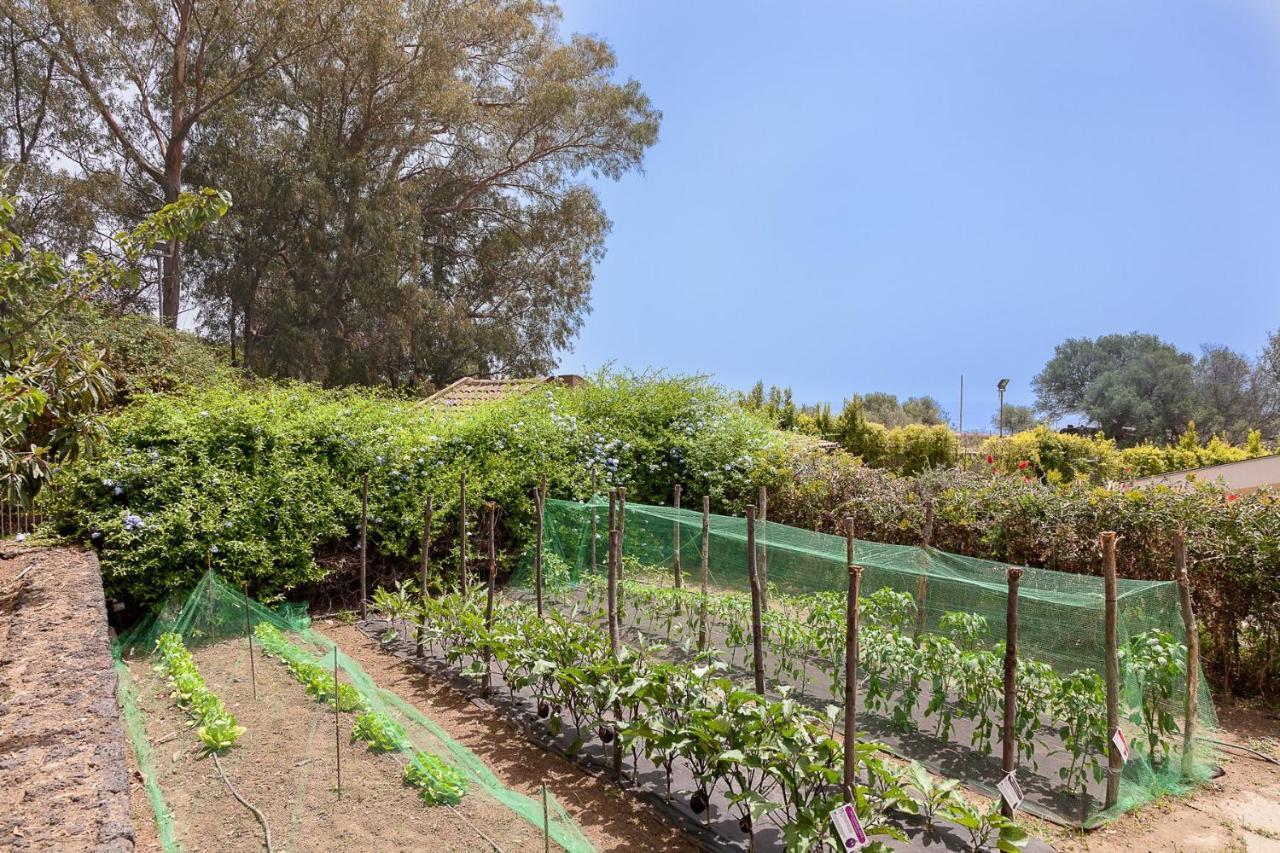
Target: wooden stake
337,723
1009,754
706,570
1190,703
426,564
851,662
622,526
539,502
364,544
594,531
488,610
763,507
676,540
612,597
1115,763
248,632
757,627
922,583
462,531
546,822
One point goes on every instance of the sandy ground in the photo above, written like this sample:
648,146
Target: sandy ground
1238,812
609,818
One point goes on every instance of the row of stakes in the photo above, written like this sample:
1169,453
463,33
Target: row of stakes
757,568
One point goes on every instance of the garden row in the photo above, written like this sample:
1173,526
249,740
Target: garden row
218,729
946,674
778,762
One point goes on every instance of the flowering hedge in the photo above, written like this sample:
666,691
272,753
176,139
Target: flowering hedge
264,478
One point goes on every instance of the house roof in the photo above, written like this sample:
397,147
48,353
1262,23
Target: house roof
471,391
1242,477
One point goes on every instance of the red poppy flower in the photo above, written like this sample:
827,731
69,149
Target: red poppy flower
1232,497
1022,466
991,460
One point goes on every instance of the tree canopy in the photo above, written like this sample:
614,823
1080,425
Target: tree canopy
411,178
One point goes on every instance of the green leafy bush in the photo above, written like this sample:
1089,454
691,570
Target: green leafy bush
437,782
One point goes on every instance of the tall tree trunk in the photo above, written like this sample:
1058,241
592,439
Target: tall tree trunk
171,295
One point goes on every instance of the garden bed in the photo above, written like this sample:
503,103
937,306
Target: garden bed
285,765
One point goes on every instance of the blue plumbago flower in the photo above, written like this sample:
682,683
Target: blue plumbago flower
133,522
155,455
381,460
227,525
204,414
21,537
213,549
117,491
108,483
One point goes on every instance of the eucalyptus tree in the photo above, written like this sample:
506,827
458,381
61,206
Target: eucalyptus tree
412,196
147,74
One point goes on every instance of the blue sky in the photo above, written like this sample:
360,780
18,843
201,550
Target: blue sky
856,196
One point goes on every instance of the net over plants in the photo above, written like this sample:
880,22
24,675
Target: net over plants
295,678
933,628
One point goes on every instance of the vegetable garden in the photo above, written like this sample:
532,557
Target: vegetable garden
312,753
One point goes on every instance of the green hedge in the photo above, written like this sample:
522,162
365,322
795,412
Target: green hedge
265,477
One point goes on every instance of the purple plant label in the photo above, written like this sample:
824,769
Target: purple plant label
1122,745
849,828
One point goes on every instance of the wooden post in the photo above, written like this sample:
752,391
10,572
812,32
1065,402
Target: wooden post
763,507
706,570
922,583
851,662
757,627
1115,763
676,540
594,532
539,502
248,632
462,531
622,526
612,595
488,610
337,723
426,565
364,544
1190,703
546,822
1009,754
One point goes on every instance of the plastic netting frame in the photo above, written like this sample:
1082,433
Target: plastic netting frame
1061,615
215,612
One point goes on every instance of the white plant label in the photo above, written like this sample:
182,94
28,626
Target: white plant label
1122,745
1010,790
849,828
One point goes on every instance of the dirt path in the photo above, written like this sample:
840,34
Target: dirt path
610,819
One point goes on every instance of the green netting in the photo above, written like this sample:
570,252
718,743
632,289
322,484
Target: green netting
215,613
1060,645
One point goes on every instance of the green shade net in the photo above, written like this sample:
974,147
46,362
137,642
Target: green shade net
1060,624
215,612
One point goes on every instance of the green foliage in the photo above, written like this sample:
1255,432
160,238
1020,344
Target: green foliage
216,727
266,477
437,782
1135,386
379,732
55,380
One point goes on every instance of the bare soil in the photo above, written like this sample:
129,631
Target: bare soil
63,778
611,819
285,765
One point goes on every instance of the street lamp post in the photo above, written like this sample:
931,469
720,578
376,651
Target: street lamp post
1000,386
